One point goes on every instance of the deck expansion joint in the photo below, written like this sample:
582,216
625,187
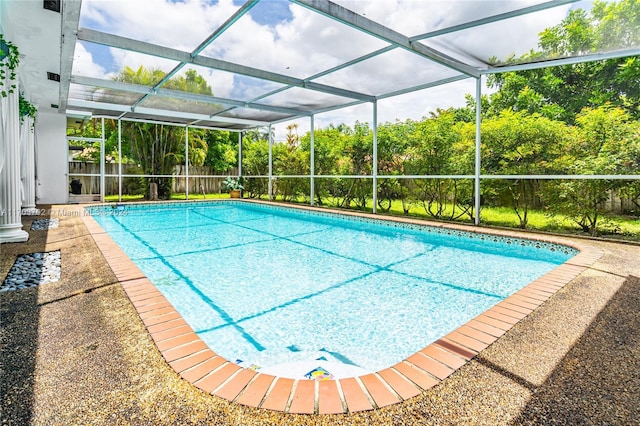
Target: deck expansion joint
401,385
255,392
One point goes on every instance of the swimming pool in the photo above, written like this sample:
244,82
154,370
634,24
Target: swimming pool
291,292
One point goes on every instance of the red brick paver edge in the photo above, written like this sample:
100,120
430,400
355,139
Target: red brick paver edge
195,362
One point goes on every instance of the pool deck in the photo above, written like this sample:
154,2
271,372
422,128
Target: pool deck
76,351
198,364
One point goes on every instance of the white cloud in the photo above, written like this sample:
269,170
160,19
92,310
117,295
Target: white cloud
84,64
413,106
306,43
125,58
181,25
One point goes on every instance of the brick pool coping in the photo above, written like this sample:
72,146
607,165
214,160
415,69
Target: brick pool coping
195,362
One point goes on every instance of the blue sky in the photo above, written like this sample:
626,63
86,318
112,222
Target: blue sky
271,12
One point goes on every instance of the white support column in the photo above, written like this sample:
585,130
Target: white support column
270,164
374,170
10,200
102,165
119,160
28,167
478,162
312,160
186,162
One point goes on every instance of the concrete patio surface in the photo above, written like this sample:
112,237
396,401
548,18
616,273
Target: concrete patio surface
76,352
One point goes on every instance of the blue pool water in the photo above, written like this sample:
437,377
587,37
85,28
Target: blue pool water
284,291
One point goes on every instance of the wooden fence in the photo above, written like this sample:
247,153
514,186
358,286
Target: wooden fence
134,185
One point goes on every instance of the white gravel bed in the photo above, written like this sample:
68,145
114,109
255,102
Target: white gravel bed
33,269
44,224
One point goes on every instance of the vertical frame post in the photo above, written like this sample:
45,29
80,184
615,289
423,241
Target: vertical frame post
270,164
239,154
186,162
102,164
312,165
478,152
374,170
119,160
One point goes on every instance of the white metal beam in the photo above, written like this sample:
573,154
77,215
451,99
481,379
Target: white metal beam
312,160
375,29
562,61
217,33
186,162
119,42
92,105
329,71
322,110
270,183
478,153
424,86
195,97
374,166
70,20
494,18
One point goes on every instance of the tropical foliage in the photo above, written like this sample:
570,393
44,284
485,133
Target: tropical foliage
579,119
156,149
9,61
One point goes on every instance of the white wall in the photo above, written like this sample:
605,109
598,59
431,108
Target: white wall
51,158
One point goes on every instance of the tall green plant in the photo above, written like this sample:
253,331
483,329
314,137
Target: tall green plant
255,162
393,141
357,160
433,148
328,152
155,147
292,160
605,142
562,92
159,148
517,143
9,61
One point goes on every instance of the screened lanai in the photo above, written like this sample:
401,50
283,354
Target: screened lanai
274,62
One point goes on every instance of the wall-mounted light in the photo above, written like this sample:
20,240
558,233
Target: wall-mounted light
52,5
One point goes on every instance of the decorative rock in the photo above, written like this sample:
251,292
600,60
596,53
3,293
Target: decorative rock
44,224
30,270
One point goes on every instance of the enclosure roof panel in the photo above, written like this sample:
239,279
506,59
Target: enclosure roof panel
305,100
263,61
311,46
375,77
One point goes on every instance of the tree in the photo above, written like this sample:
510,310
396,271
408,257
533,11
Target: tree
328,153
159,147
393,141
357,161
605,142
222,150
516,143
292,160
563,92
432,149
255,162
